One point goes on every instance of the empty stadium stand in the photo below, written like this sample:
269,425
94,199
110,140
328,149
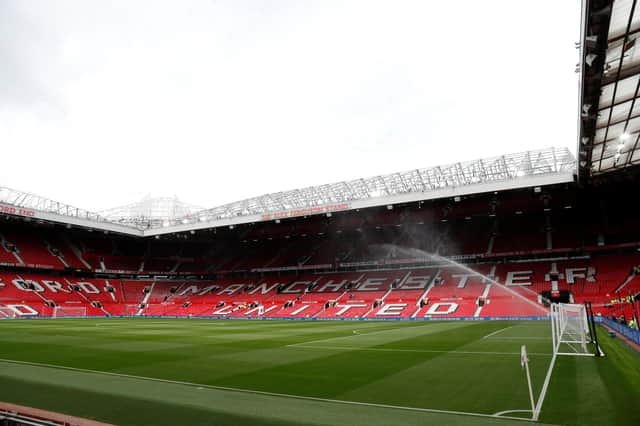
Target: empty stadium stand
439,291
529,247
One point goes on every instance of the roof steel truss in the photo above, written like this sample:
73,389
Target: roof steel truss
377,190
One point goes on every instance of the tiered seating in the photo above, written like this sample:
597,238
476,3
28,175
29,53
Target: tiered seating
529,231
6,256
32,249
453,293
365,292
445,290
345,310
159,265
194,266
122,263
65,251
134,290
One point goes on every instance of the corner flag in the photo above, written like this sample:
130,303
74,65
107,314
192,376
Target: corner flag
523,356
524,362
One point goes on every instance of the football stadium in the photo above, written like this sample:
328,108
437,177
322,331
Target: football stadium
498,291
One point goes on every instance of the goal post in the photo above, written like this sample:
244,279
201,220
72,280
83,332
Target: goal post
68,311
7,313
572,330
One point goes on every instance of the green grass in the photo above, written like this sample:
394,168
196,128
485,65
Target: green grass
180,371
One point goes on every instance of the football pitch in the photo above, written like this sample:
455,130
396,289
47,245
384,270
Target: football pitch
235,372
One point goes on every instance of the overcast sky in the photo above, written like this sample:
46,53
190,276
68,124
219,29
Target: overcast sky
104,102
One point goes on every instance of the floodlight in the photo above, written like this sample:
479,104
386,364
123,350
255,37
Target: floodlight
520,173
624,136
165,223
185,221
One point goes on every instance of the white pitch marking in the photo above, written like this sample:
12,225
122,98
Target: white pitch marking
357,348
512,411
359,334
520,338
545,385
498,331
256,392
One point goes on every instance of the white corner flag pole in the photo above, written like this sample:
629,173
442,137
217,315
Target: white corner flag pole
524,362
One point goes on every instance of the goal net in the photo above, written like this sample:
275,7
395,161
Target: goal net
572,330
76,311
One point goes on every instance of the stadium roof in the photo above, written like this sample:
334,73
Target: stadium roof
526,169
609,67
150,211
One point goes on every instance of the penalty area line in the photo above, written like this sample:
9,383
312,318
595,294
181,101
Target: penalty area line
357,348
384,330
498,331
264,393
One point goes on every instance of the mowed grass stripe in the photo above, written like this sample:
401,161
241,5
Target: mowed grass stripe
206,362
268,406
384,363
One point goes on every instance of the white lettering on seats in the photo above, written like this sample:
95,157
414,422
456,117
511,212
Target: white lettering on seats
345,308
416,283
207,289
193,289
435,309
231,289
224,310
290,288
88,287
55,286
371,284
333,286
297,311
258,308
23,310
392,309
462,283
573,273
264,288
25,284
518,278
